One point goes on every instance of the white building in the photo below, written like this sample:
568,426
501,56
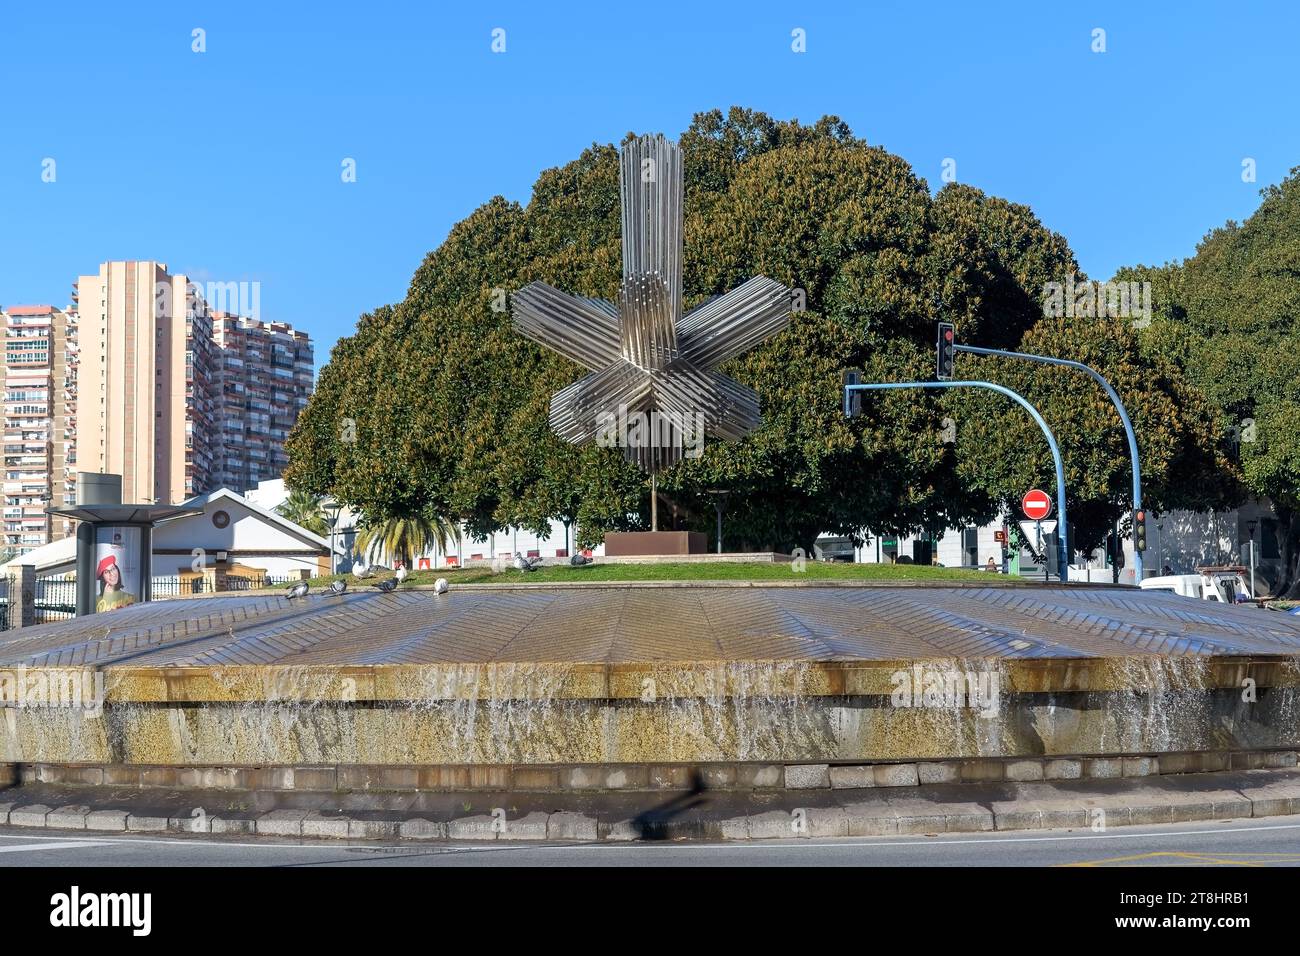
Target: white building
1178,540
230,531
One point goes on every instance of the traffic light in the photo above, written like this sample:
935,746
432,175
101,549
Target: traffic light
1139,530
852,400
947,343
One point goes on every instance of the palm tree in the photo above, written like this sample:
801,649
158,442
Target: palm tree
405,538
304,509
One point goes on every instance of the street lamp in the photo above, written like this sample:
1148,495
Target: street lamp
1250,528
719,496
331,506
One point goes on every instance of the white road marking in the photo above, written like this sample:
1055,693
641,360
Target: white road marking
789,844
65,845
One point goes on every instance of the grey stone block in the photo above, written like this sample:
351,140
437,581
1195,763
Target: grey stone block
1064,818
1103,767
531,826
373,829
938,771
243,825
852,778
625,831
973,821
1225,807
31,815
145,823
1062,769
1027,818
774,825
281,823
1283,759
867,820
1147,815
1191,810
1141,766
67,818
1261,806
760,776
315,824
827,822
566,825
582,778
1023,771
896,775
814,776
718,778
480,827
111,820
422,829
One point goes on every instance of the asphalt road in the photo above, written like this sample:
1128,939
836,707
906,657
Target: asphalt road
1251,842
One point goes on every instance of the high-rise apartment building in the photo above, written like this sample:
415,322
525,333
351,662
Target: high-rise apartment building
264,378
141,379
145,388
40,359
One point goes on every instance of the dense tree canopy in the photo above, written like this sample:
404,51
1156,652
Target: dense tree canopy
436,405
1228,318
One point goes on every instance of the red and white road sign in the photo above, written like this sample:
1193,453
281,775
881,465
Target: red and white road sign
1036,505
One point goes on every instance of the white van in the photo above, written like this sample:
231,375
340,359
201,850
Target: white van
1227,585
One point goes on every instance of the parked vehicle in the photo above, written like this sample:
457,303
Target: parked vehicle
1227,584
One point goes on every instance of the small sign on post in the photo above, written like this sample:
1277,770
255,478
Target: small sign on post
1036,505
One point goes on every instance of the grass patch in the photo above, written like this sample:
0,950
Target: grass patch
685,571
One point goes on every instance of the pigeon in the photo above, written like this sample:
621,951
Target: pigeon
526,564
386,585
440,586
401,573
339,586
579,559
361,570
299,590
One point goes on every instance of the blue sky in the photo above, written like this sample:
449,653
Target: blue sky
226,164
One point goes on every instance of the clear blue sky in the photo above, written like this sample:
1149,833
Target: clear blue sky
226,164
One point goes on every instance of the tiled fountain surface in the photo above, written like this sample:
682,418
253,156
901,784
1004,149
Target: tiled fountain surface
619,624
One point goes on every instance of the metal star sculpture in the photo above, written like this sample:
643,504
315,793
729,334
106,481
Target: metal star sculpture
646,358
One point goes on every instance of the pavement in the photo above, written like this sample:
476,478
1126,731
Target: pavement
1227,843
1093,805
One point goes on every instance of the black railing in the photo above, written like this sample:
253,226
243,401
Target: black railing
56,599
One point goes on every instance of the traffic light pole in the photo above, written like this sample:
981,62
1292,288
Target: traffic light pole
1063,537
1123,417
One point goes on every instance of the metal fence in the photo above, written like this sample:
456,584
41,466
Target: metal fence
56,599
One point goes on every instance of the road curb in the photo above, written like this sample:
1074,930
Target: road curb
858,813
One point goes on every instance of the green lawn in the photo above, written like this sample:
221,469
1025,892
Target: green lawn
694,571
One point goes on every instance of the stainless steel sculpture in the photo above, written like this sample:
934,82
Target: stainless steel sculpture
650,364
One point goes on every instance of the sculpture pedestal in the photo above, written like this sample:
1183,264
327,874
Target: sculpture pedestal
621,544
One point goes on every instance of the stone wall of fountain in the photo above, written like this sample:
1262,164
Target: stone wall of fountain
632,713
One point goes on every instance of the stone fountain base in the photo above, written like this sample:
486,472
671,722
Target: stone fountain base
626,675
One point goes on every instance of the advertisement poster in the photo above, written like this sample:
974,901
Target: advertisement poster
117,567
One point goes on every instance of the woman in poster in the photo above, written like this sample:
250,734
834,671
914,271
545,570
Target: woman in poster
111,593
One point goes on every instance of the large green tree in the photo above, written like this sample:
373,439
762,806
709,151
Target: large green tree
436,403
1228,317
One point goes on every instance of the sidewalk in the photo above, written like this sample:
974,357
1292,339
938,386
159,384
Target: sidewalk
698,815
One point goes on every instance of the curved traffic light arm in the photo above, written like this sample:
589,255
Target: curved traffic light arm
1063,536
1138,513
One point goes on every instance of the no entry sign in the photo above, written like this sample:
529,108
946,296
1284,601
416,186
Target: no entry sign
1036,505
